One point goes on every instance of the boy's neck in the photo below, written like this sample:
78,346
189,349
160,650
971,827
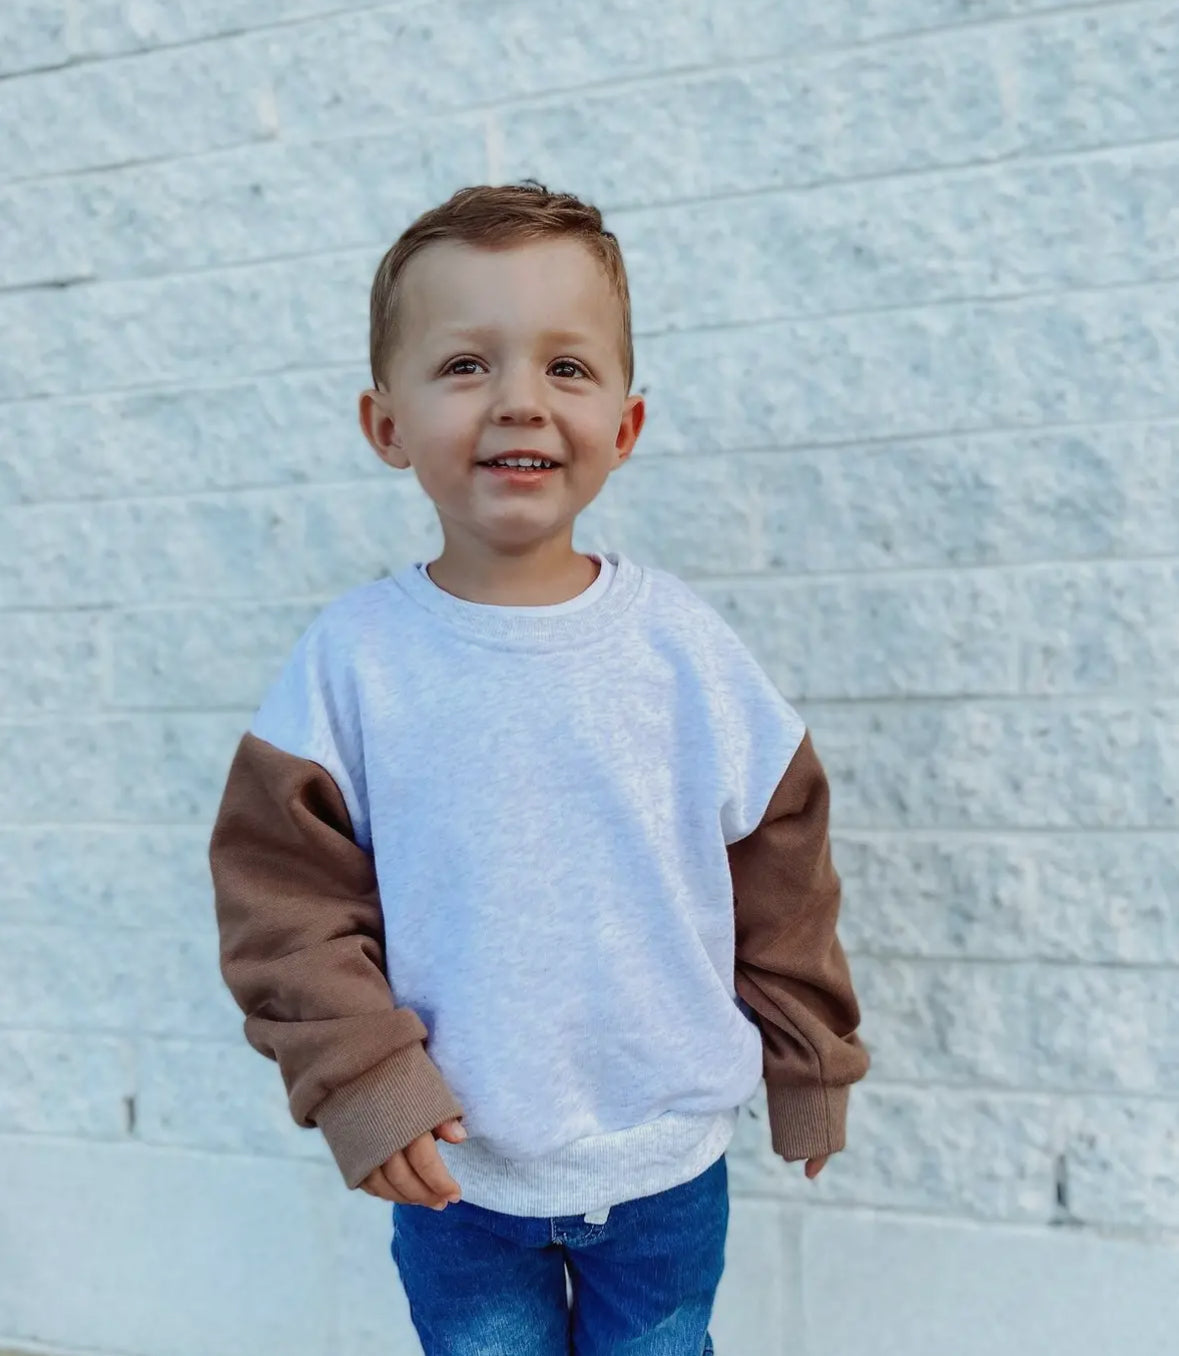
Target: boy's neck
552,574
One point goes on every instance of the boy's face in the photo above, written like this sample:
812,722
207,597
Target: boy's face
505,352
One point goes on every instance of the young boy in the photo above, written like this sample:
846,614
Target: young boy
525,838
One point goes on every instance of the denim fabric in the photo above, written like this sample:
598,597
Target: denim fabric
642,1283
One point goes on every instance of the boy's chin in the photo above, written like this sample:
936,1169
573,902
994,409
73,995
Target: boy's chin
518,537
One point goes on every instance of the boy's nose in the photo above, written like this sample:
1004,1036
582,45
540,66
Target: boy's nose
519,403
520,412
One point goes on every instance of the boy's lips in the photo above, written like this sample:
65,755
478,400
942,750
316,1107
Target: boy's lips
520,475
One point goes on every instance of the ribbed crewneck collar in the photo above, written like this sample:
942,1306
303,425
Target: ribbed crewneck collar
509,628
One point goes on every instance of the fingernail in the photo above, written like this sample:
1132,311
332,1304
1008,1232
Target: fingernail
460,1132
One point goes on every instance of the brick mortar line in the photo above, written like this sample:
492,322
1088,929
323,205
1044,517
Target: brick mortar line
38,717
1055,1096
1076,568
1138,703
205,933
1002,833
865,442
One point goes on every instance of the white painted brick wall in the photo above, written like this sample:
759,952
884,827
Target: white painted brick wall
906,290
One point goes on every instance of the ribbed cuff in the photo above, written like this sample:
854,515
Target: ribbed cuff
807,1122
369,1119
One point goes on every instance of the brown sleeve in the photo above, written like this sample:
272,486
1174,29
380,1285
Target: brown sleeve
790,967
302,951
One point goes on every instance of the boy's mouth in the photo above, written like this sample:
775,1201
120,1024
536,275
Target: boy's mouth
521,463
520,470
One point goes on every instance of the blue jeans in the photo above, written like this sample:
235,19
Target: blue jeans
482,1283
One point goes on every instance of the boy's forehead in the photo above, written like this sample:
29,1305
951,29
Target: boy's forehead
454,287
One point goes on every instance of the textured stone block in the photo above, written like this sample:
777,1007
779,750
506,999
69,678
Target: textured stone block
177,442
753,28
109,876
267,543
181,993
1000,499
171,768
927,370
215,325
993,765
377,67
1096,897
1108,76
79,787
161,769
108,27
1055,83
251,204
810,119
54,1083
165,104
1098,1028
1101,628
202,656
30,256
224,1097
91,978
944,1023
1035,1028
698,517
883,242
64,978
934,1150
927,635
35,35
1120,1162
52,663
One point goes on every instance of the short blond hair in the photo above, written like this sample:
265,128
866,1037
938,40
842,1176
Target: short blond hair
495,216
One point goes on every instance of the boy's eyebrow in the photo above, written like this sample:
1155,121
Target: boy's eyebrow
489,332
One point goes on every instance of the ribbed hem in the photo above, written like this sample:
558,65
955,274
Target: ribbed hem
593,1172
807,1122
368,1120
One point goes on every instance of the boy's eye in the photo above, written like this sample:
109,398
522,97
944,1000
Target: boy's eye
462,367
566,367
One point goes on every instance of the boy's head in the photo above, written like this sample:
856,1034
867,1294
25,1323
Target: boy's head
500,327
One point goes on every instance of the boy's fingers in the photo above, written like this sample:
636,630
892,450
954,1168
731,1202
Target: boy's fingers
426,1161
410,1188
376,1185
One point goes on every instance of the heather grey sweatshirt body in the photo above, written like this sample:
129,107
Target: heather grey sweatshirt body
548,795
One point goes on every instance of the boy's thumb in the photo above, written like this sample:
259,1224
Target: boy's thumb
452,1131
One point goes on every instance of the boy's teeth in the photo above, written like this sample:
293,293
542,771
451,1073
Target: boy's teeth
524,463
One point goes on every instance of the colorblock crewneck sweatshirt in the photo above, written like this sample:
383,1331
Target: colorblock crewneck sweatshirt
563,871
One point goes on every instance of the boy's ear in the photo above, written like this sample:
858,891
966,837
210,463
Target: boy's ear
634,412
380,428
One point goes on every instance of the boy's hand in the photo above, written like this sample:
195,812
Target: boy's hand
814,1166
416,1175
